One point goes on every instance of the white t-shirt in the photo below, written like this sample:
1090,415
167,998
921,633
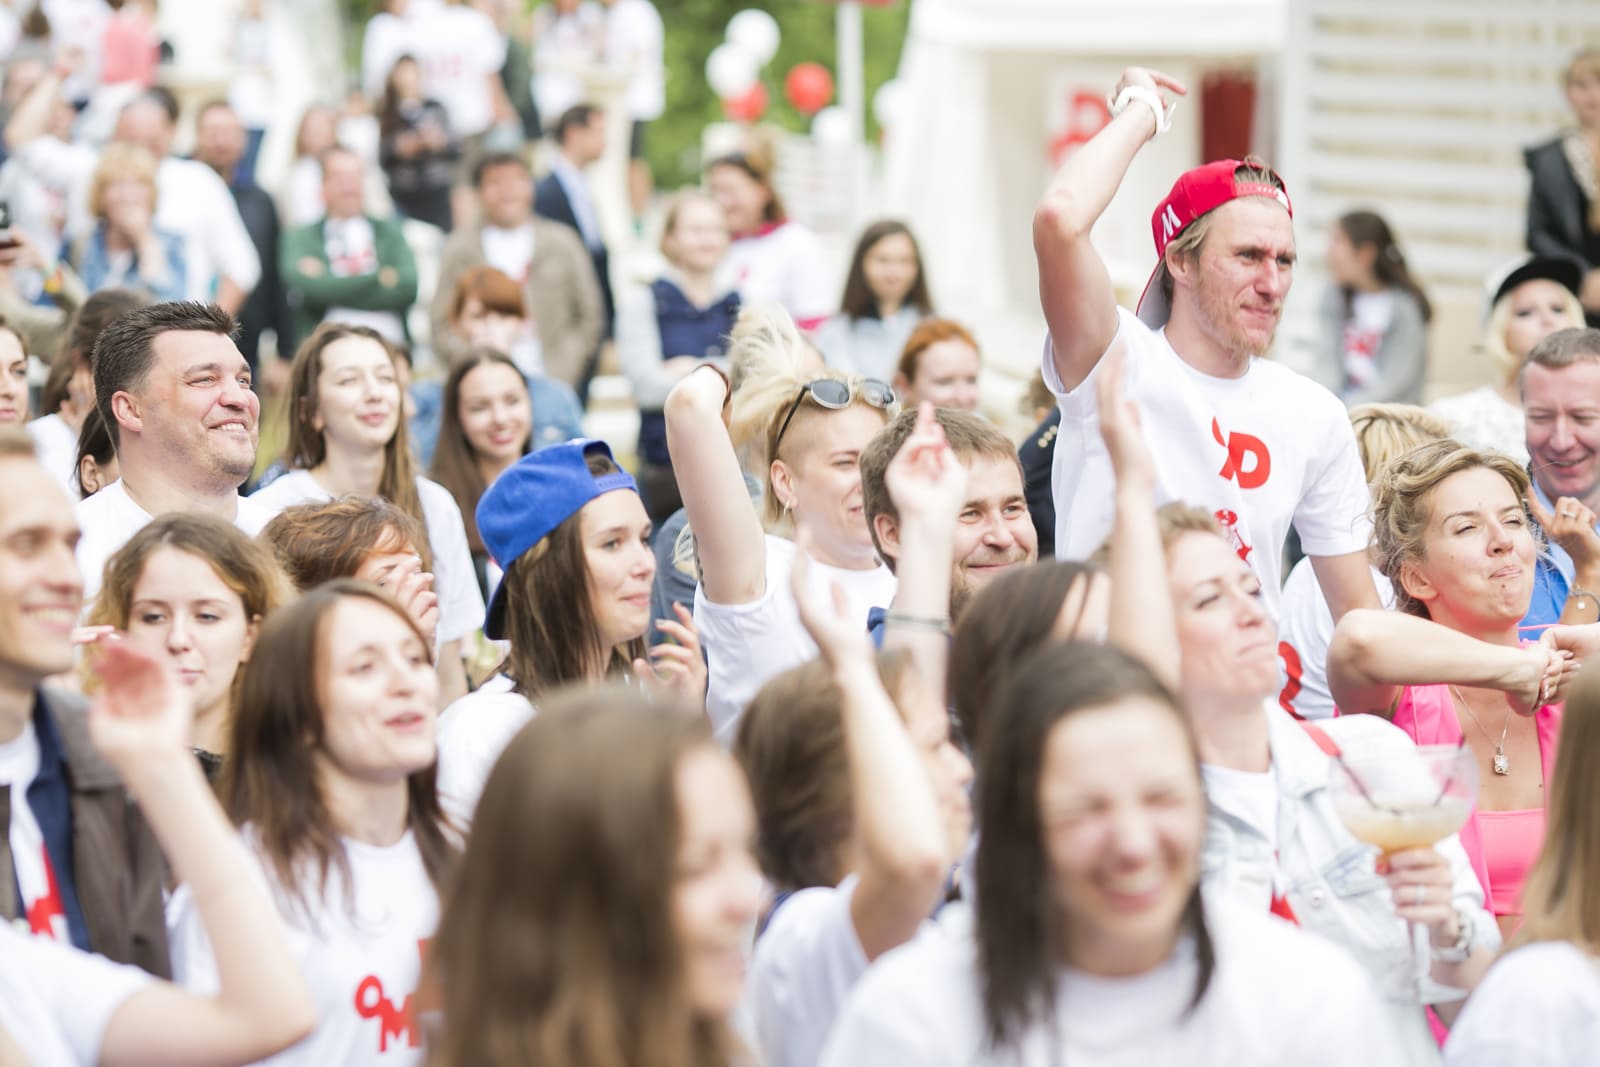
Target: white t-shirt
1538,1006
804,966
1290,455
352,250
783,265
1278,996
460,603
509,251
473,731
110,517
55,1001
387,38
633,44
57,445
362,965
1252,795
1370,315
565,46
746,644
459,49
41,904
1305,630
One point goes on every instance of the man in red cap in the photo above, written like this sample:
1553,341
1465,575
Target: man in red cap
1256,444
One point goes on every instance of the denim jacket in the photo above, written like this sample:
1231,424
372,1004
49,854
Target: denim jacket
1329,876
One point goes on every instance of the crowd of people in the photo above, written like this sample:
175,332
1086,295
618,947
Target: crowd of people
821,724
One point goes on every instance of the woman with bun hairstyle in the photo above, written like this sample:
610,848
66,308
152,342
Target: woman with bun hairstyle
567,527
810,428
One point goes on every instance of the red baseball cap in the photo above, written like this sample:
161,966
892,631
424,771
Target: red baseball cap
1195,193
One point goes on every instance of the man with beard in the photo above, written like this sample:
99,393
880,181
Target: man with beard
943,497
1251,441
175,394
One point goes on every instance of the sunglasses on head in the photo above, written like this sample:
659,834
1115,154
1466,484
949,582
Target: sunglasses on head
835,395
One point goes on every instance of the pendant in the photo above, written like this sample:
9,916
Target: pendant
1500,763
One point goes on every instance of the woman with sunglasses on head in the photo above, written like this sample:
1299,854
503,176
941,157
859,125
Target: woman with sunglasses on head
885,296
348,435
567,526
811,432
772,258
330,778
1090,944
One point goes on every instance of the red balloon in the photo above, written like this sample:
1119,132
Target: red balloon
809,87
748,106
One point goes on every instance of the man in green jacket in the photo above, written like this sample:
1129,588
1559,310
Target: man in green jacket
349,266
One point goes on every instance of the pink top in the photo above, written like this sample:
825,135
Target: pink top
1428,715
1510,845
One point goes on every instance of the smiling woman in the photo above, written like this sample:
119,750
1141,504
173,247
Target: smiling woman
13,377
331,780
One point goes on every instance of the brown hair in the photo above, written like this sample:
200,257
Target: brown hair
94,442
549,616
1012,616
1020,933
674,209
556,942
493,288
759,170
1562,894
1402,504
791,744
17,443
120,160
306,447
1565,347
969,437
245,567
928,333
1389,263
77,340
270,780
859,301
318,542
455,466
125,348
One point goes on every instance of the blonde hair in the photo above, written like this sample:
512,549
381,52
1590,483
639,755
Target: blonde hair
1494,332
119,161
674,209
1402,504
1562,893
768,367
1384,432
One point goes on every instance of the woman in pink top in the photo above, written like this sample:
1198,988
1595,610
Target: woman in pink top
1449,666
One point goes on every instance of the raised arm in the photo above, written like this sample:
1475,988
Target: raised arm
1143,621
928,486
897,820
1080,305
733,548
141,724
1374,654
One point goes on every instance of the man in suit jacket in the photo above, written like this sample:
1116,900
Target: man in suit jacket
563,195
349,266
547,259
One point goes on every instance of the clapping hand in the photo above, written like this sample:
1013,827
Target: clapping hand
141,710
679,667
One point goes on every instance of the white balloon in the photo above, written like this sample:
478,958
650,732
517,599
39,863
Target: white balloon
889,103
756,32
832,127
731,71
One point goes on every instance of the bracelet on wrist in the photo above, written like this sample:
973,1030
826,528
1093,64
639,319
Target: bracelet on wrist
1580,593
1464,942
937,623
1150,98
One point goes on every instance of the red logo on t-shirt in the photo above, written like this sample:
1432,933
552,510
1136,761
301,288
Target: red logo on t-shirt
47,917
1242,447
1295,670
393,1021
1229,521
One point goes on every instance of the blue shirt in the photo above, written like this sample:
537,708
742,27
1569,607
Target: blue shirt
1552,581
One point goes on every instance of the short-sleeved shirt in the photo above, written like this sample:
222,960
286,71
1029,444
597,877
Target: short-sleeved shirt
1538,1006
55,1001
1261,452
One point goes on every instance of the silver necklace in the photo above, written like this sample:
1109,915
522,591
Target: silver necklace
1499,763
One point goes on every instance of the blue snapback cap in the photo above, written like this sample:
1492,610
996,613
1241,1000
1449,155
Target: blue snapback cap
531,498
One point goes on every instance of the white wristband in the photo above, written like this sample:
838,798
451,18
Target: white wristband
1144,95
